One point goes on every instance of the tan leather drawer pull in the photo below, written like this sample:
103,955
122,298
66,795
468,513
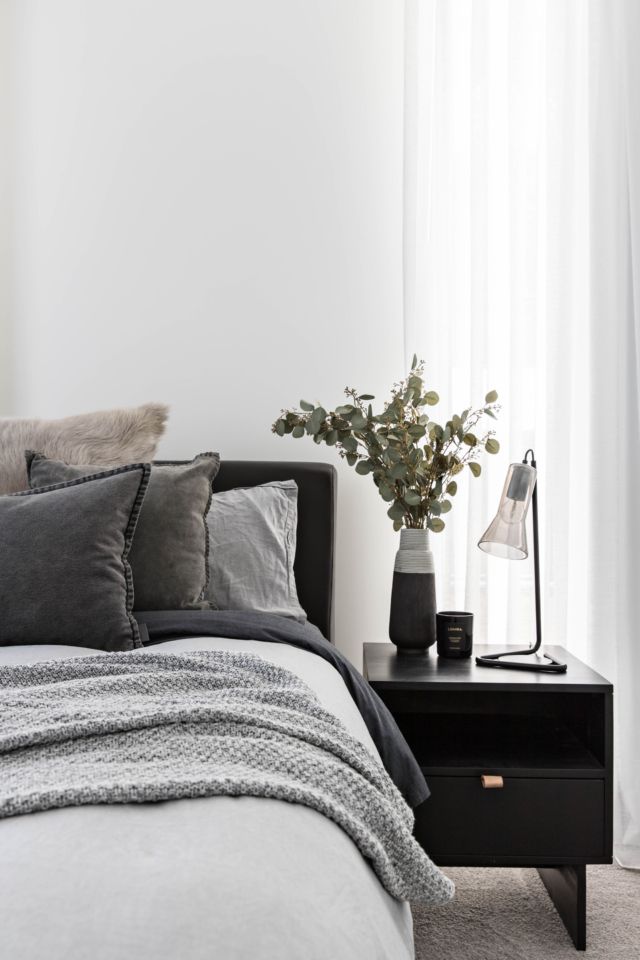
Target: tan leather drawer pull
491,783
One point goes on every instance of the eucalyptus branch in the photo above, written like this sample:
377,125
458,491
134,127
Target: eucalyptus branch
413,460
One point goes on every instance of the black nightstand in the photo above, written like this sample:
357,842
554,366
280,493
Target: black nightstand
519,765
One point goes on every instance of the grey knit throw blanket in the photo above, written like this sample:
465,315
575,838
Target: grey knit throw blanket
132,728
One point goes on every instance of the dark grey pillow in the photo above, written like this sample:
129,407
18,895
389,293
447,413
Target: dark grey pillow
64,572
170,552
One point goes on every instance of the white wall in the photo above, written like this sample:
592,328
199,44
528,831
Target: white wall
208,212
7,97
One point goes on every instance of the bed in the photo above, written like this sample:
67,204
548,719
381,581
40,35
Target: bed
202,876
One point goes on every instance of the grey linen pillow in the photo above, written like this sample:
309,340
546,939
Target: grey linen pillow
108,438
64,572
253,548
169,556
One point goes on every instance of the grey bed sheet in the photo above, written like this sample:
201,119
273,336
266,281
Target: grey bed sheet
219,877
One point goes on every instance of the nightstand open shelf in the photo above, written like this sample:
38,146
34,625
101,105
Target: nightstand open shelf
475,743
547,738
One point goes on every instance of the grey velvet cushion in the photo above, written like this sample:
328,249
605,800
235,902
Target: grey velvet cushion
64,571
253,548
109,438
169,556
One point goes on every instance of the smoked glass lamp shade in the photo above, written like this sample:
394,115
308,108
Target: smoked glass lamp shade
506,535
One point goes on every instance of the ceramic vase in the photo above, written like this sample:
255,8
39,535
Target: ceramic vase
412,622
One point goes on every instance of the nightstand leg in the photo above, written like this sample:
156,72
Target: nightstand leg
567,887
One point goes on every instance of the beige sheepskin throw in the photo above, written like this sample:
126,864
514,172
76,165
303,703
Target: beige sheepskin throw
108,437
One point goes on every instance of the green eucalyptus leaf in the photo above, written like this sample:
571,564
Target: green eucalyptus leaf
298,431
316,420
344,410
416,431
436,509
413,498
452,488
358,420
398,471
445,506
352,459
414,362
366,396
475,468
470,439
387,493
397,525
363,467
492,445
431,398
491,397
280,427
396,511
349,443
436,524
308,407
331,438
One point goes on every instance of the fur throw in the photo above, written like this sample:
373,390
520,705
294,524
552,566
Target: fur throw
108,438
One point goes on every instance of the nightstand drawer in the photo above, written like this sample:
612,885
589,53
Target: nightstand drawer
538,818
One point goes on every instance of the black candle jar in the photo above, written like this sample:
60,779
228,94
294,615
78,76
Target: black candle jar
454,631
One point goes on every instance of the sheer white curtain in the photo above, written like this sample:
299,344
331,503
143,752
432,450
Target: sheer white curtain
522,273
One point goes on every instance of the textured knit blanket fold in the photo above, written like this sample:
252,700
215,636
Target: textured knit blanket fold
398,760
125,729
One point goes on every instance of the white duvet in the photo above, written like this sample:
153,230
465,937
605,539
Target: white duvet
217,877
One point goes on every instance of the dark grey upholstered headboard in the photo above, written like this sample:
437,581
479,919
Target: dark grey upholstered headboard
316,526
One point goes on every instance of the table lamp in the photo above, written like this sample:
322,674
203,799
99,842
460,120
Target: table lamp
506,537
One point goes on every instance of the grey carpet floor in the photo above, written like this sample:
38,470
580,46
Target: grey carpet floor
505,914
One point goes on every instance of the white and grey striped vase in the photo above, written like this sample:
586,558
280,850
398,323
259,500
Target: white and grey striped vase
412,622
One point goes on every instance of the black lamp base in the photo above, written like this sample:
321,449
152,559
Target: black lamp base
495,660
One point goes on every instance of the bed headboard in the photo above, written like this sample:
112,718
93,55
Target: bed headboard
316,525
